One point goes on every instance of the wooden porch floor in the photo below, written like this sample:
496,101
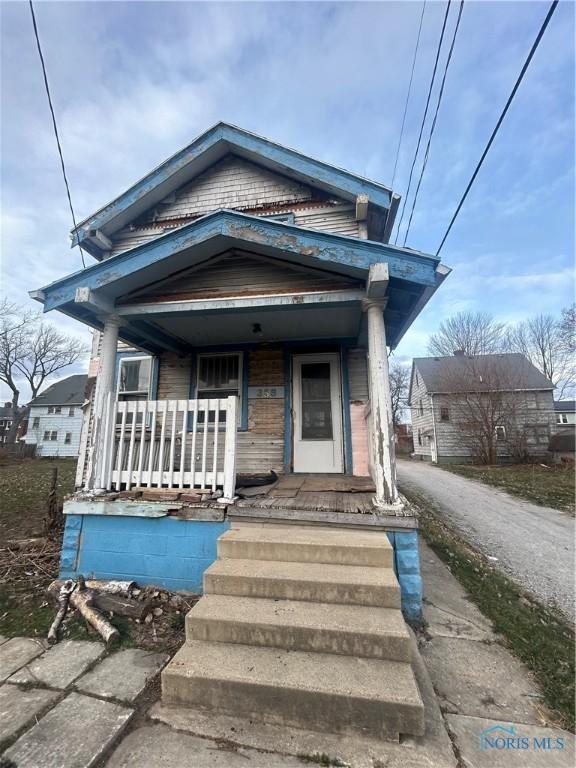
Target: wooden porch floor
329,493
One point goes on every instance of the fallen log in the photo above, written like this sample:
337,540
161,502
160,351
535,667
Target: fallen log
123,588
63,598
84,599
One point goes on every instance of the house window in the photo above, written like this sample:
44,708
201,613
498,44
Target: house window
134,376
36,422
419,437
68,438
417,379
50,435
562,418
219,376
420,408
531,400
50,409
444,414
500,432
71,412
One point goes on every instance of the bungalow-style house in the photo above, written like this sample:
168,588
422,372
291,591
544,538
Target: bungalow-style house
483,408
55,418
244,296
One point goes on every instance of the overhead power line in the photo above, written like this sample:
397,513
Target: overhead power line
54,125
432,80
500,120
408,94
433,126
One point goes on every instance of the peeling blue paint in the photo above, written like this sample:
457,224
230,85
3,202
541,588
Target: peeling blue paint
231,228
407,567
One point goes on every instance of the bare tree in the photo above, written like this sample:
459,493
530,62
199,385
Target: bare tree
31,351
488,410
399,384
567,329
473,333
549,345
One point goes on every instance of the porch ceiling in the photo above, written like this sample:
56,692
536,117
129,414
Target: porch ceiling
237,327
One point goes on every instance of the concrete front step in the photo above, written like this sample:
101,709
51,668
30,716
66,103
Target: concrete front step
314,582
307,545
353,630
324,692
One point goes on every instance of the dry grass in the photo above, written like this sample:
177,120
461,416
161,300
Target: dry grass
548,486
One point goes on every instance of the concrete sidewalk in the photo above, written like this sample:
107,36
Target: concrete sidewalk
485,693
73,706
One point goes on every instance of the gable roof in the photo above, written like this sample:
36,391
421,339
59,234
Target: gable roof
565,406
465,373
69,391
207,149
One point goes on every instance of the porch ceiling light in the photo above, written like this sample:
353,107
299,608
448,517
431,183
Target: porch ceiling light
257,329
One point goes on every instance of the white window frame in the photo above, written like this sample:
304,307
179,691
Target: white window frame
71,411
36,422
128,393
68,438
500,432
562,418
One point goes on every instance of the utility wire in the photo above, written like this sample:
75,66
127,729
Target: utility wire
433,126
424,117
55,126
500,120
408,95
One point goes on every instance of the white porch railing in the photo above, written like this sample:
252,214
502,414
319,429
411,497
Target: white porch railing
170,444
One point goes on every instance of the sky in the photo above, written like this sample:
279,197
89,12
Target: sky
133,82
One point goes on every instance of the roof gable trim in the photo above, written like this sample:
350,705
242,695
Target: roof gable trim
172,173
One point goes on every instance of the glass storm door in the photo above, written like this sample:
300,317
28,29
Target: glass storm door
317,414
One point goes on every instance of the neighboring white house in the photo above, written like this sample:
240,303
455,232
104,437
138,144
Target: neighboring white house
55,418
565,412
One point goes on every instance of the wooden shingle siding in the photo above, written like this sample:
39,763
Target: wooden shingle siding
240,274
340,220
231,183
237,184
174,377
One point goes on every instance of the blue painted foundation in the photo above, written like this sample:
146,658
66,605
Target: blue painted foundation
166,551
174,553
407,567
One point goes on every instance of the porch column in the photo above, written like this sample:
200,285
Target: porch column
382,432
104,386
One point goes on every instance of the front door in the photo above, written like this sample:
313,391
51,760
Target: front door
317,414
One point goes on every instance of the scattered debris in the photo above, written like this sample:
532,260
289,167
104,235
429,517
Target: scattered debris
149,616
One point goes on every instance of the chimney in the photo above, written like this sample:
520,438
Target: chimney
458,353
8,404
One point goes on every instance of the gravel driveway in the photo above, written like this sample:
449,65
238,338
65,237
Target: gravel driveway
534,545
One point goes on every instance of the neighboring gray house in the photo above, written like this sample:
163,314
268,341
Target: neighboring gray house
55,418
485,409
565,412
